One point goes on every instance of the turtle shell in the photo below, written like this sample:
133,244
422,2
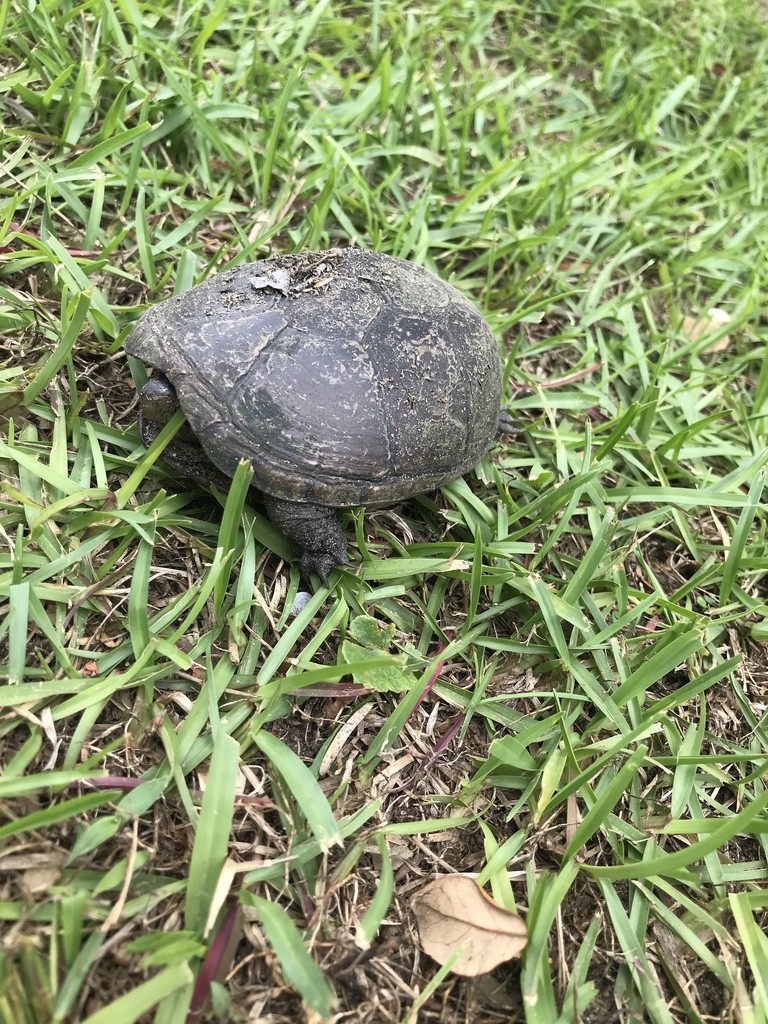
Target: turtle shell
345,377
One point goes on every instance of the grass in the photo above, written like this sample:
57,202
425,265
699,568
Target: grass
551,675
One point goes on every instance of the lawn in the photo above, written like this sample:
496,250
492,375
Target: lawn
551,676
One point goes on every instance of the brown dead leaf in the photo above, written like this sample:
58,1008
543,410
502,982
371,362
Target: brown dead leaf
708,323
454,914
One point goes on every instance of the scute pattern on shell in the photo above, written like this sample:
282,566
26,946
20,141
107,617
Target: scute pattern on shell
346,377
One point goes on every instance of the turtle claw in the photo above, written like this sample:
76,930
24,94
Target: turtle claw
509,425
321,563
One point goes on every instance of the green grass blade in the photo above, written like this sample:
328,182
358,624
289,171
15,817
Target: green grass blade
740,537
379,905
605,802
133,1005
296,963
672,863
536,982
211,834
304,787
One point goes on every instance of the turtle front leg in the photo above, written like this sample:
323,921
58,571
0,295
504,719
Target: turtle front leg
157,404
316,532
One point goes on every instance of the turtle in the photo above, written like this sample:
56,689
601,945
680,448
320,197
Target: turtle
345,377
